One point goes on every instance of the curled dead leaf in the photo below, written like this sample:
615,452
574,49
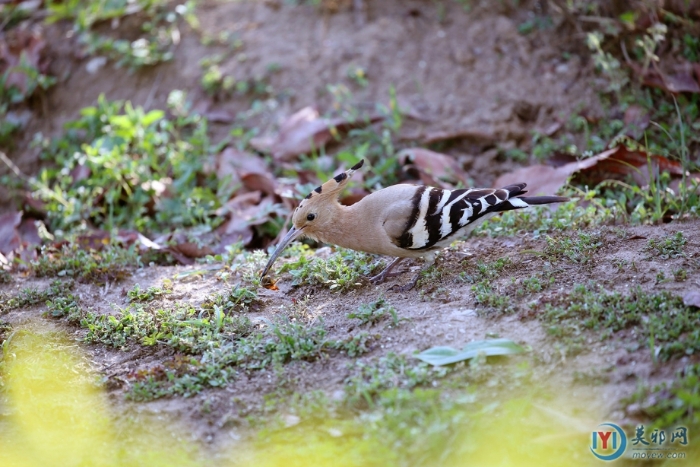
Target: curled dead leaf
615,163
432,166
683,78
10,239
692,298
246,169
21,48
304,132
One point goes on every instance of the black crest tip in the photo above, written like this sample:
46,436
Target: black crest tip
358,165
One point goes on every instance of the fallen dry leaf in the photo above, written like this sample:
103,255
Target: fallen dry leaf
247,169
692,298
10,239
618,162
432,166
684,78
21,47
304,132
246,210
189,250
29,233
636,120
80,172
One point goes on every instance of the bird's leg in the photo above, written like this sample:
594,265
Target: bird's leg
382,276
416,278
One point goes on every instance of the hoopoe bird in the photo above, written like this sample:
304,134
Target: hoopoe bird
403,221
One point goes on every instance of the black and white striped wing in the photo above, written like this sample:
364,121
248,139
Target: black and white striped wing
438,214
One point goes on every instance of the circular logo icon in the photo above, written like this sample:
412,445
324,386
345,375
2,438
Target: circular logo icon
608,442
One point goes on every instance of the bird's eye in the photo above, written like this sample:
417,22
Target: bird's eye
311,217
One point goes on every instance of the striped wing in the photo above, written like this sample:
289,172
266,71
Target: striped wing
438,214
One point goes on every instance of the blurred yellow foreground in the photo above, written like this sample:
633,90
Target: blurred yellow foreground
57,415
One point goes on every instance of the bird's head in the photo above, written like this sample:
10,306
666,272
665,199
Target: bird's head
314,211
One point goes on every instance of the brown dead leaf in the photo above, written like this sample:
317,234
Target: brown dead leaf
191,249
10,239
80,172
692,298
246,210
241,167
20,47
681,79
636,121
433,166
304,132
616,163
29,233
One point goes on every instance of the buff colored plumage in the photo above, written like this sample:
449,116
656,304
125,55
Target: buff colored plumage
402,221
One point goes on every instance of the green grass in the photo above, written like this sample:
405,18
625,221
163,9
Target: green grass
151,293
374,312
213,342
31,297
658,320
539,221
577,249
160,21
392,372
669,247
181,327
344,269
674,404
107,264
482,278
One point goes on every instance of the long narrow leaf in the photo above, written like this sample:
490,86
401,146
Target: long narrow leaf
489,347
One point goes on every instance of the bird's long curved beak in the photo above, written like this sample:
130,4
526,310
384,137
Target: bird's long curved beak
289,238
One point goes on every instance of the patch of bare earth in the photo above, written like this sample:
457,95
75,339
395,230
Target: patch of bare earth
439,312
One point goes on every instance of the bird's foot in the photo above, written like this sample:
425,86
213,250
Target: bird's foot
386,273
382,276
409,286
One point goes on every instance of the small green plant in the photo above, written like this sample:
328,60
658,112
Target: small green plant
159,28
182,327
577,249
670,405
30,296
150,294
539,221
5,276
394,371
680,275
374,312
668,247
485,295
109,263
342,271
675,328
13,95
358,75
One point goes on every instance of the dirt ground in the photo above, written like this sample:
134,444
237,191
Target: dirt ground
467,74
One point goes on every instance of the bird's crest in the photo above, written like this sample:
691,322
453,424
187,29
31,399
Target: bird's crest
336,184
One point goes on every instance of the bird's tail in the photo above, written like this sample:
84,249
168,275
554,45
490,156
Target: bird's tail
536,200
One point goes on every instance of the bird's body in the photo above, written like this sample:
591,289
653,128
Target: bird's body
403,221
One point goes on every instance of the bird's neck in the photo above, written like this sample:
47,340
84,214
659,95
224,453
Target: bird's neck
343,228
